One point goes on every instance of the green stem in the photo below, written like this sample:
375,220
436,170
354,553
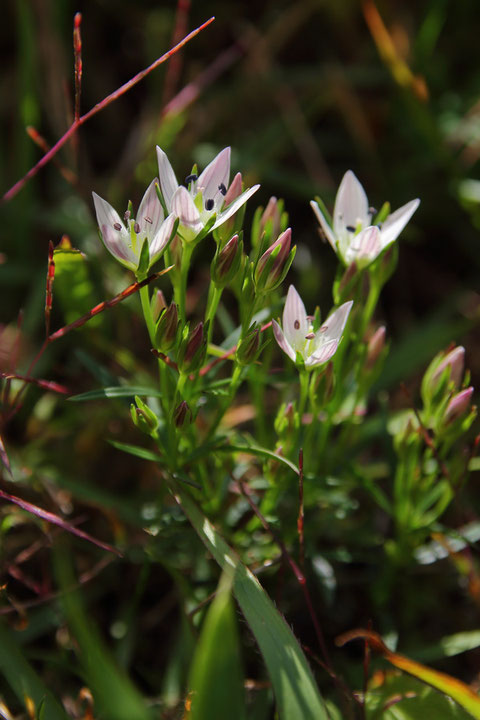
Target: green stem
214,295
180,289
147,313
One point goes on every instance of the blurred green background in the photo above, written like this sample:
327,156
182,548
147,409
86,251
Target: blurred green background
302,91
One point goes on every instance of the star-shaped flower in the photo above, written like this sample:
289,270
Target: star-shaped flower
204,196
124,239
353,237
297,335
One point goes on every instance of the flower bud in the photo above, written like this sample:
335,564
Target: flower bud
193,350
143,417
455,360
273,215
158,304
458,405
274,263
375,347
182,415
166,329
249,348
226,262
234,191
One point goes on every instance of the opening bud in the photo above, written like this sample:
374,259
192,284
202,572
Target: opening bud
158,304
458,405
455,360
375,346
274,263
166,329
226,262
193,350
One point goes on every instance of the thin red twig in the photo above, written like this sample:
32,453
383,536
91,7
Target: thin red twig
77,49
97,108
45,384
174,69
39,140
49,288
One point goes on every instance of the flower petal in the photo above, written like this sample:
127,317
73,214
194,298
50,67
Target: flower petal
236,205
394,224
162,237
117,241
234,190
295,323
334,325
323,354
216,174
365,246
351,205
329,234
150,213
184,208
168,181
282,341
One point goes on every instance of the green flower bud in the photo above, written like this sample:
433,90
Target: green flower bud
143,417
166,329
182,415
227,262
249,348
193,350
274,263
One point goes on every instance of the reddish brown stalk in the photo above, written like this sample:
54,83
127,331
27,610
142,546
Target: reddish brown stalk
56,520
301,513
206,369
39,140
45,384
174,68
105,305
4,458
165,358
77,49
295,569
49,288
97,108
366,666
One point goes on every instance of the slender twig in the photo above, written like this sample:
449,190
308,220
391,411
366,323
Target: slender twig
45,384
97,108
39,140
301,513
174,68
77,49
49,288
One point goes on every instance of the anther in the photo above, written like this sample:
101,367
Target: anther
296,324
117,226
136,228
209,204
350,228
190,178
372,211
149,220
222,189
126,217
323,329
310,336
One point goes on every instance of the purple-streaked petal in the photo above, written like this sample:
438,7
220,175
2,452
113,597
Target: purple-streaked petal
150,213
334,325
216,174
295,323
351,205
456,360
459,404
328,232
394,224
114,234
162,237
168,181
323,354
282,341
184,208
234,190
367,244
236,205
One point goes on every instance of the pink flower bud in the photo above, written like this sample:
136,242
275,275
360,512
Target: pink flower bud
166,330
458,405
455,359
273,265
158,304
375,346
271,212
226,263
182,415
234,191
249,347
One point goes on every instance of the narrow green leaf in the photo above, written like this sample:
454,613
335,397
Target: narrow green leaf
216,681
116,392
23,679
296,692
136,450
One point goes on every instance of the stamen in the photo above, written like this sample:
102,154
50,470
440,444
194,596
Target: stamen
149,220
310,336
350,228
323,329
126,217
209,204
136,228
117,226
372,211
190,178
296,324
222,189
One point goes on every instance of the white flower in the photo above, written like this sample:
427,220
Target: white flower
353,237
297,335
125,239
203,197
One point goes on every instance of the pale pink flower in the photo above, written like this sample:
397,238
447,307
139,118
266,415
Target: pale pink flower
124,238
203,197
297,334
353,237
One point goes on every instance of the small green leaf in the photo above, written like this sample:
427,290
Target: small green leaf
116,392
